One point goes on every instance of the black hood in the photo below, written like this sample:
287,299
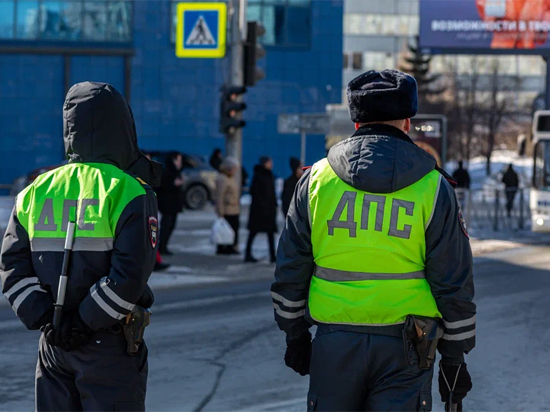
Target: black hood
380,159
98,127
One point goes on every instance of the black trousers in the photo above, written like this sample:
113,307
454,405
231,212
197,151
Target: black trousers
364,372
167,226
99,376
510,196
271,240
234,222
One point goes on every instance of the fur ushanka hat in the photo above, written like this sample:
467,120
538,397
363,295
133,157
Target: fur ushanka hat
382,96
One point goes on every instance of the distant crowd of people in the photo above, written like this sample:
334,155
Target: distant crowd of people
510,179
263,208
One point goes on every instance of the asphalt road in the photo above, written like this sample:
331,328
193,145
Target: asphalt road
216,348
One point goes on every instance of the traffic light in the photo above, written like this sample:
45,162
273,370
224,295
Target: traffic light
230,107
252,53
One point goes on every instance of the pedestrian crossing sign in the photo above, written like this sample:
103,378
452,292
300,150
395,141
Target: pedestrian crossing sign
201,30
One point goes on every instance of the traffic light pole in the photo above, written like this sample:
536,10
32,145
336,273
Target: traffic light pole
234,139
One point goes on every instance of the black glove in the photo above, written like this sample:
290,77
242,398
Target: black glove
463,382
146,299
298,354
71,334
44,320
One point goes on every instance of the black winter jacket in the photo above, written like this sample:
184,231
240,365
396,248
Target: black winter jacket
382,159
263,210
170,196
107,277
288,192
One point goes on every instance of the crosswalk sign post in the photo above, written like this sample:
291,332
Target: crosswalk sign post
201,30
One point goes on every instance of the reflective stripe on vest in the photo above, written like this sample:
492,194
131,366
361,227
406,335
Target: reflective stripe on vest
369,251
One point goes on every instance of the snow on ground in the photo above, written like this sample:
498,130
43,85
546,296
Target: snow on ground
499,163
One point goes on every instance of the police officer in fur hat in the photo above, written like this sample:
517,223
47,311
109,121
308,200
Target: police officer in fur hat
376,254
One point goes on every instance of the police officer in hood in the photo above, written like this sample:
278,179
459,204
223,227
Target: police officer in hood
375,252
89,362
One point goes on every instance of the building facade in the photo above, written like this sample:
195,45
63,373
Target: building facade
376,34
46,46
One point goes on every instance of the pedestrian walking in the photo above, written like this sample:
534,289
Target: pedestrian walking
263,209
461,176
216,159
511,184
376,254
87,363
170,199
228,194
296,167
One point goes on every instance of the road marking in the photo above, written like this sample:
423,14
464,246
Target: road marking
197,303
278,405
179,269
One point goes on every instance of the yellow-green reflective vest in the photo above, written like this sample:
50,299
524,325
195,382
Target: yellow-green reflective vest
93,195
369,251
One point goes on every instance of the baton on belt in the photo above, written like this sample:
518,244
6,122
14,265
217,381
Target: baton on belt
64,275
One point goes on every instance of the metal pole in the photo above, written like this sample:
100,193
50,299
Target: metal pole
495,221
521,205
468,206
242,18
303,146
237,22
547,93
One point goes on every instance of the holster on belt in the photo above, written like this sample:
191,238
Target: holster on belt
134,328
425,333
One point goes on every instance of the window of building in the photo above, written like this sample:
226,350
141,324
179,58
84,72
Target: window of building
345,62
378,61
287,22
66,20
381,24
357,62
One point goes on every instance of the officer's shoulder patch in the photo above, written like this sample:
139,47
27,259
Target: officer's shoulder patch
462,223
153,230
143,183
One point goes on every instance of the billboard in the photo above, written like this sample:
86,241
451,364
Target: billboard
499,26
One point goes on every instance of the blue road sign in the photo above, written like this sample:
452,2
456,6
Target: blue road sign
201,30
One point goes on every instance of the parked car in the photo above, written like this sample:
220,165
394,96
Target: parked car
199,186
199,179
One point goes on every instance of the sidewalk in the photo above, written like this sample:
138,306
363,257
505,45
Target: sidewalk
195,261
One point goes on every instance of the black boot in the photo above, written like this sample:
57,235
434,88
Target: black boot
250,259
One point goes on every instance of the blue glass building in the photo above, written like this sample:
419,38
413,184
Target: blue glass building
46,46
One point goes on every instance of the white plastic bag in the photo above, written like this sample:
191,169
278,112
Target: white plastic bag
222,232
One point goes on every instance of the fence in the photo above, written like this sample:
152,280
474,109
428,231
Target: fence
495,209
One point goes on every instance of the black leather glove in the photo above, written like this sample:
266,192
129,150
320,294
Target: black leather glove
71,334
44,320
298,354
147,298
454,373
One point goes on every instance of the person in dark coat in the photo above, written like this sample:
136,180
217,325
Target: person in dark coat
511,182
461,176
169,197
216,159
263,210
290,184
